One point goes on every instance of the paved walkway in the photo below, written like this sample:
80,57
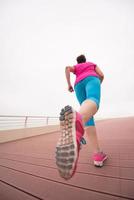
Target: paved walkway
28,170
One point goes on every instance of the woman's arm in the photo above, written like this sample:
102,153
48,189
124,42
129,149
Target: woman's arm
69,69
100,73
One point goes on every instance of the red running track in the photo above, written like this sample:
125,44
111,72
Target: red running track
28,170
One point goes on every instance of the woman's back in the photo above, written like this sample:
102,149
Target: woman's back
83,70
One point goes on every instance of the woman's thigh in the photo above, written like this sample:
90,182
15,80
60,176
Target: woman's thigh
81,96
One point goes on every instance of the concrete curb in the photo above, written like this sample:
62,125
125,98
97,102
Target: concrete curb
17,134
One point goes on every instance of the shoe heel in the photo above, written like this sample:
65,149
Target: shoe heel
98,163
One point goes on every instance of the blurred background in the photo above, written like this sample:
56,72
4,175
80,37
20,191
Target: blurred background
38,38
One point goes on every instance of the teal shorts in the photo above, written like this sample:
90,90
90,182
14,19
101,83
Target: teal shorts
89,88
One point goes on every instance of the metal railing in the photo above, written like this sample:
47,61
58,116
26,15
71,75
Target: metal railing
14,122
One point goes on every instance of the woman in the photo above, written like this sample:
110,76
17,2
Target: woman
88,89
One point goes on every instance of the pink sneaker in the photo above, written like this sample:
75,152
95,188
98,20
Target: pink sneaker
99,158
68,147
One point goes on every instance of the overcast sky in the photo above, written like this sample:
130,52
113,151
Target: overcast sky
38,38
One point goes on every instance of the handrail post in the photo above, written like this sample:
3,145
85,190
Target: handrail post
26,121
47,120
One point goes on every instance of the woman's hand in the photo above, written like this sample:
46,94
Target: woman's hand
70,88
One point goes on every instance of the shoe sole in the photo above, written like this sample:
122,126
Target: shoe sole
100,163
66,149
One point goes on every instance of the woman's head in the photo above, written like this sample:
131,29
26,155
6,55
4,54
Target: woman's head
81,59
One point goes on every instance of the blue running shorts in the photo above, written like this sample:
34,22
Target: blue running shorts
89,88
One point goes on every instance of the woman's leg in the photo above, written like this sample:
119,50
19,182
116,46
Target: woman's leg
92,138
87,109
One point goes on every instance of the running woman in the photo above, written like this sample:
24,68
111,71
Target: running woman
73,124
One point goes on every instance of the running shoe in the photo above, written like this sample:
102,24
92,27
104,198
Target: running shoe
99,158
68,146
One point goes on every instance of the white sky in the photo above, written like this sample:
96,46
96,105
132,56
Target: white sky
38,38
